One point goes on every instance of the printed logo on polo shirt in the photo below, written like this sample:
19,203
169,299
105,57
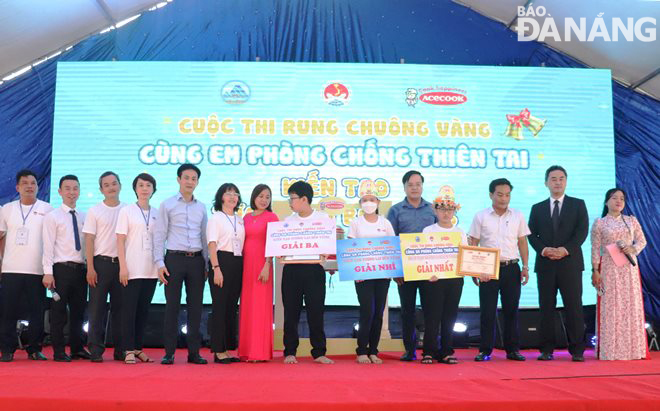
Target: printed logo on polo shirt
235,92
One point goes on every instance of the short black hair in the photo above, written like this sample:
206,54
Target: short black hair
499,182
302,189
108,173
69,177
555,168
255,193
188,166
25,173
217,203
144,177
411,173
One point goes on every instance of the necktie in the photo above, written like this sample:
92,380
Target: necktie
76,234
555,216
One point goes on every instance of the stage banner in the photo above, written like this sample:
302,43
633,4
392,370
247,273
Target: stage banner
369,258
335,125
430,254
301,238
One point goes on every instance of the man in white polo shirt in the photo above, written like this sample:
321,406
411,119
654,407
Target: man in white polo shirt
103,268
20,226
501,227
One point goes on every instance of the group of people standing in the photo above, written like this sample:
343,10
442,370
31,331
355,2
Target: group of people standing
122,251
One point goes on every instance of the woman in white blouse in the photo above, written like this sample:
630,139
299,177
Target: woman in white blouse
372,294
225,233
137,271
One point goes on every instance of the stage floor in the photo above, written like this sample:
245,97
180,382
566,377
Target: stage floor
496,385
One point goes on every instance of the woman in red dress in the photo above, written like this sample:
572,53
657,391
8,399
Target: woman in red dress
255,341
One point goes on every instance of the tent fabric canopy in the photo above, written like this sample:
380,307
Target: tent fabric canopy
384,31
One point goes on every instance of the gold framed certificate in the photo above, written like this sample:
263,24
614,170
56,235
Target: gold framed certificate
479,261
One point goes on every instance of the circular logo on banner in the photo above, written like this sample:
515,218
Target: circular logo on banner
235,92
336,94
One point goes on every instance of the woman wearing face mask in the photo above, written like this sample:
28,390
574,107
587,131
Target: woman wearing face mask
440,298
372,294
620,317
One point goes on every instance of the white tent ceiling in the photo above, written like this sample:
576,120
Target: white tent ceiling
31,30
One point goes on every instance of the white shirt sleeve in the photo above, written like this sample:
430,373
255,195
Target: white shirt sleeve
122,222
353,229
4,215
90,223
389,230
48,231
475,227
212,230
523,228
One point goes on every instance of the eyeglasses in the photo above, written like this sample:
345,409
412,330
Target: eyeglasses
231,194
293,198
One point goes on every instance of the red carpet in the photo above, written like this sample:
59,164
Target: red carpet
497,385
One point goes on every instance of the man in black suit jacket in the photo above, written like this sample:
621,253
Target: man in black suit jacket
559,226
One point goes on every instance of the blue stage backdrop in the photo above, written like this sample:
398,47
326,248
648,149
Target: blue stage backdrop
388,31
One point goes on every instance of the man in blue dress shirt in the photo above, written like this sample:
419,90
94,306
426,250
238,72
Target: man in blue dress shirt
180,252
410,216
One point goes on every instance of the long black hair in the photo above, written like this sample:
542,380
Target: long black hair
609,195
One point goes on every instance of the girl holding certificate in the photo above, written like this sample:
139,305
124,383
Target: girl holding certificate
372,294
440,298
620,315
225,234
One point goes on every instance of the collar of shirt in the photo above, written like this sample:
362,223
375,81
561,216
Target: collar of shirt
561,200
66,209
422,203
179,197
493,211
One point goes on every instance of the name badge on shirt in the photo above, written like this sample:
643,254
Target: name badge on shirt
237,246
22,235
147,241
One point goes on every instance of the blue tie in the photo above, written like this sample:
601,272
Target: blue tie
76,234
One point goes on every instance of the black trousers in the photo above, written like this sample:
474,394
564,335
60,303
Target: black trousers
15,289
408,298
71,285
440,301
569,285
224,314
107,282
372,295
189,271
509,287
303,282
136,299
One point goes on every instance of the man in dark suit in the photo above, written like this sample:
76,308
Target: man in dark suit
559,226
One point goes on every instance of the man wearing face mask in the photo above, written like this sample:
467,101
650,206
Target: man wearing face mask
410,216
372,294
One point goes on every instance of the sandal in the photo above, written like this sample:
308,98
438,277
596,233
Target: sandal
130,357
140,355
448,360
427,359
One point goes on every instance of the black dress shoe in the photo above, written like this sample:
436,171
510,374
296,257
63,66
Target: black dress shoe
546,357
515,356
578,358
7,357
37,356
167,360
226,360
81,355
408,356
482,356
62,357
234,359
119,356
96,358
197,359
